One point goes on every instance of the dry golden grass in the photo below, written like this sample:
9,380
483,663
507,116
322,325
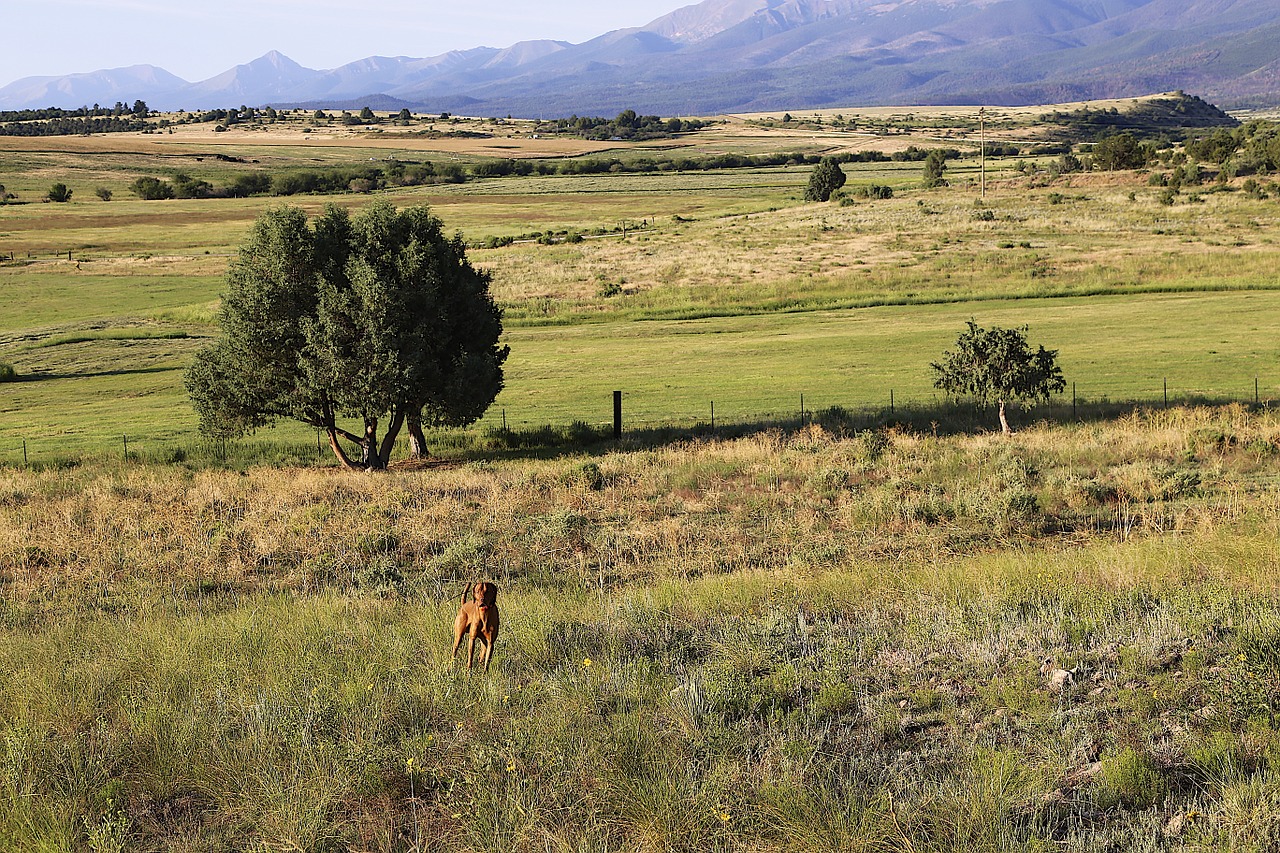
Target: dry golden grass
812,501
1096,239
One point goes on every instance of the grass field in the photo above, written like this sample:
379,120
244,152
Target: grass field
726,270
877,626
779,642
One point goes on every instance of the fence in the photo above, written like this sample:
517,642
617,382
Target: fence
638,415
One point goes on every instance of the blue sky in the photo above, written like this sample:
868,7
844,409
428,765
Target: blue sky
196,39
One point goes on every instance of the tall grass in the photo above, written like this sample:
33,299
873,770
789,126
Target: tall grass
784,641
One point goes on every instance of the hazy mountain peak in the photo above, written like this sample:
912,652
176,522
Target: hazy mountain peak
744,55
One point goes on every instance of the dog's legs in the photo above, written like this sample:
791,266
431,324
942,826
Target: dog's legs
488,651
471,648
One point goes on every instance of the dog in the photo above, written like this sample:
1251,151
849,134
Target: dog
477,618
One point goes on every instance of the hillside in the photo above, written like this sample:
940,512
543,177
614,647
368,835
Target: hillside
741,55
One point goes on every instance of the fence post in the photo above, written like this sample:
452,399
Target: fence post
126,448
891,401
1166,393
1073,401
1255,391
713,414
801,410
617,414
504,419
24,451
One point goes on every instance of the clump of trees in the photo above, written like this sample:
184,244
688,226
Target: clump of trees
626,125
1252,148
998,366
377,319
59,193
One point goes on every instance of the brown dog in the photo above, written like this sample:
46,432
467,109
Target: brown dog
478,618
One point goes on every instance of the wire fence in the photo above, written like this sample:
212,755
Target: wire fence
643,416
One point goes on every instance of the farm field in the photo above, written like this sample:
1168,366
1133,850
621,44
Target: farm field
876,624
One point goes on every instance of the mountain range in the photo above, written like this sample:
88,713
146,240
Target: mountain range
757,55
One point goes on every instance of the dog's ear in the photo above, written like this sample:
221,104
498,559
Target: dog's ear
490,592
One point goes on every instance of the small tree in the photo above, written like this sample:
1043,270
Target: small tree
826,178
378,318
997,365
59,193
934,165
103,193
1122,151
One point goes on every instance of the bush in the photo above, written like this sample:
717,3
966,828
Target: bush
874,191
59,193
7,373
151,189
103,193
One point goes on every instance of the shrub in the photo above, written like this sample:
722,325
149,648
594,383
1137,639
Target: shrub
874,191
103,193
7,373
151,189
59,193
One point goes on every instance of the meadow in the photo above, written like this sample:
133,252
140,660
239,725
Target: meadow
823,630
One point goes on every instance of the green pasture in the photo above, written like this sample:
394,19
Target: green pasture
731,292
82,395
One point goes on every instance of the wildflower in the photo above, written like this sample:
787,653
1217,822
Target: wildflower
408,765
723,815
506,699
586,663
511,766
457,815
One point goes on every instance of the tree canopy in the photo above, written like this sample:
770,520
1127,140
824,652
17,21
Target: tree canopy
826,178
377,318
935,163
997,365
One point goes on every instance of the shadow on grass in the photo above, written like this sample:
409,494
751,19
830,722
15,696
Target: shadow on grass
132,371
457,447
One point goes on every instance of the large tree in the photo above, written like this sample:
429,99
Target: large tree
377,319
997,365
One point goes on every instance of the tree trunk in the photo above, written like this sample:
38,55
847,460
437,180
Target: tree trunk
339,452
1004,424
417,441
393,432
370,459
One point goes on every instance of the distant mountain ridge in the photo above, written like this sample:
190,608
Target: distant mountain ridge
743,55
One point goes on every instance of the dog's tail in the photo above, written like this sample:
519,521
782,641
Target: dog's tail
466,590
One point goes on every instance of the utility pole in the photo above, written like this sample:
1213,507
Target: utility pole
982,150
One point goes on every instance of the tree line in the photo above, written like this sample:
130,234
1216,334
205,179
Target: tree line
138,110
627,125
403,173
73,126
